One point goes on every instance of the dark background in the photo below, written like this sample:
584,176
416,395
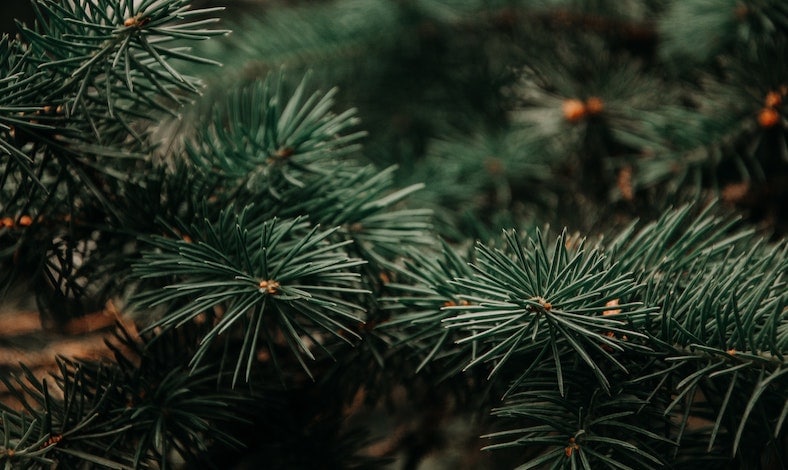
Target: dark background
12,9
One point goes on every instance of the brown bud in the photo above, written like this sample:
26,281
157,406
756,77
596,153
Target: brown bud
594,106
612,311
270,286
624,183
735,192
768,117
773,99
284,152
574,110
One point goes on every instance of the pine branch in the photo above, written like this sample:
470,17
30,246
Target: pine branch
653,314
476,178
729,26
275,278
524,300
123,414
71,145
419,310
364,203
272,142
583,428
89,43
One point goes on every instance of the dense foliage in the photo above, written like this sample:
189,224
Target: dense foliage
305,274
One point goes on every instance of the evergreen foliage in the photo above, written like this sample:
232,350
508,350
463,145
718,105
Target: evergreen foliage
295,277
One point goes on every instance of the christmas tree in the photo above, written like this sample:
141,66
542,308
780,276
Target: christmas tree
394,234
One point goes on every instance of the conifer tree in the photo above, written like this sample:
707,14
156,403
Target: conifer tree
352,227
